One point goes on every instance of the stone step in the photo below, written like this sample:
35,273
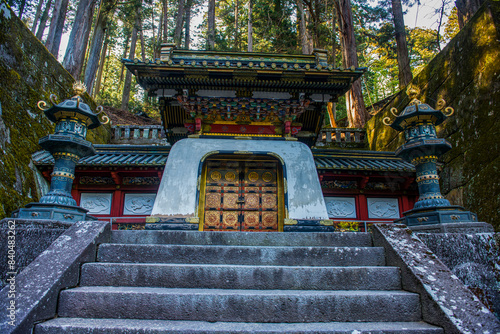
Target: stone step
135,326
244,255
240,277
337,239
239,305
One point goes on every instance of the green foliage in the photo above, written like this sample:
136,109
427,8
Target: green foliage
451,27
275,30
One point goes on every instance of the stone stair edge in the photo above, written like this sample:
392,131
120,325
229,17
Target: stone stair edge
140,326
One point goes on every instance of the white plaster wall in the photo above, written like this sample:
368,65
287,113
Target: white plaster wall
177,193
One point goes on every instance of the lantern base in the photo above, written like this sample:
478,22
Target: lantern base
460,227
442,219
67,213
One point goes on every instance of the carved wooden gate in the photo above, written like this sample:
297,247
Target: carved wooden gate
241,195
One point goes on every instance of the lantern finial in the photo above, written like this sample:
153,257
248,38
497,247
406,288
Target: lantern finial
79,88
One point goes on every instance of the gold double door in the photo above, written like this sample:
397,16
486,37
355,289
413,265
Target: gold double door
241,195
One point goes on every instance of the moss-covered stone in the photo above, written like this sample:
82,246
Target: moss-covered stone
467,75
29,73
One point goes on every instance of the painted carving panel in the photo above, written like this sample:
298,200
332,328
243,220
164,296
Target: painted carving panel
138,204
96,203
381,208
341,207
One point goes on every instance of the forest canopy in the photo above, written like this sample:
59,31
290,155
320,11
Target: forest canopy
358,33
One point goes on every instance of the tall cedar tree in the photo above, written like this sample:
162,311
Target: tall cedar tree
105,11
79,37
250,26
133,43
187,34
38,13
465,10
43,21
211,25
178,23
404,75
165,21
356,111
56,27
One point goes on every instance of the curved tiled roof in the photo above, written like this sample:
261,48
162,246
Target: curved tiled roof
360,160
142,155
115,155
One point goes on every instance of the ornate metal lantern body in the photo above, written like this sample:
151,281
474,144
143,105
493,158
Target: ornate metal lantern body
67,145
422,148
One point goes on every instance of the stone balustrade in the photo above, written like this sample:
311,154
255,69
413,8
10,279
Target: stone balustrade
138,134
341,137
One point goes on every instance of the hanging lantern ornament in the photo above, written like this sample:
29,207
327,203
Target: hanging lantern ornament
73,117
422,148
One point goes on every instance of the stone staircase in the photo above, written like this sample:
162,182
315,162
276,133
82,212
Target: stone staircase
218,282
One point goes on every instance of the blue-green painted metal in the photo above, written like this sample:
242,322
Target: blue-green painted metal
422,148
67,145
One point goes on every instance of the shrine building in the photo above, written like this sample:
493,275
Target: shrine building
241,148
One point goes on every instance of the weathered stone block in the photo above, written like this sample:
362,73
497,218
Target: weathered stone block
446,302
58,267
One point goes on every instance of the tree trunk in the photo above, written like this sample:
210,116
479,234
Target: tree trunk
78,39
187,32
333,55
333,61
155,42
465,10
56,27
440,23
38,13
250,26
302,28
404,73
22,5
125,49
43,21
165,20
309,39
128,76
211,25
236,25
105,72
102,60
101,26
178,23
356,111
143,44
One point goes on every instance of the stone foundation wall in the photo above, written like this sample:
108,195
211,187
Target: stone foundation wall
28,74
31,239
467,75
474,258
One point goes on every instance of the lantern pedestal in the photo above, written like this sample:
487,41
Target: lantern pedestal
69,213
432,212
68,145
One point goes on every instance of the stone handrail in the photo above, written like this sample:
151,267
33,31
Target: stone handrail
341,137
137,134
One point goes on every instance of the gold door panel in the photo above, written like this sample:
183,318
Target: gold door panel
251,201
212,220
230,220
230,201
270,220
269,202
212,200
240,195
